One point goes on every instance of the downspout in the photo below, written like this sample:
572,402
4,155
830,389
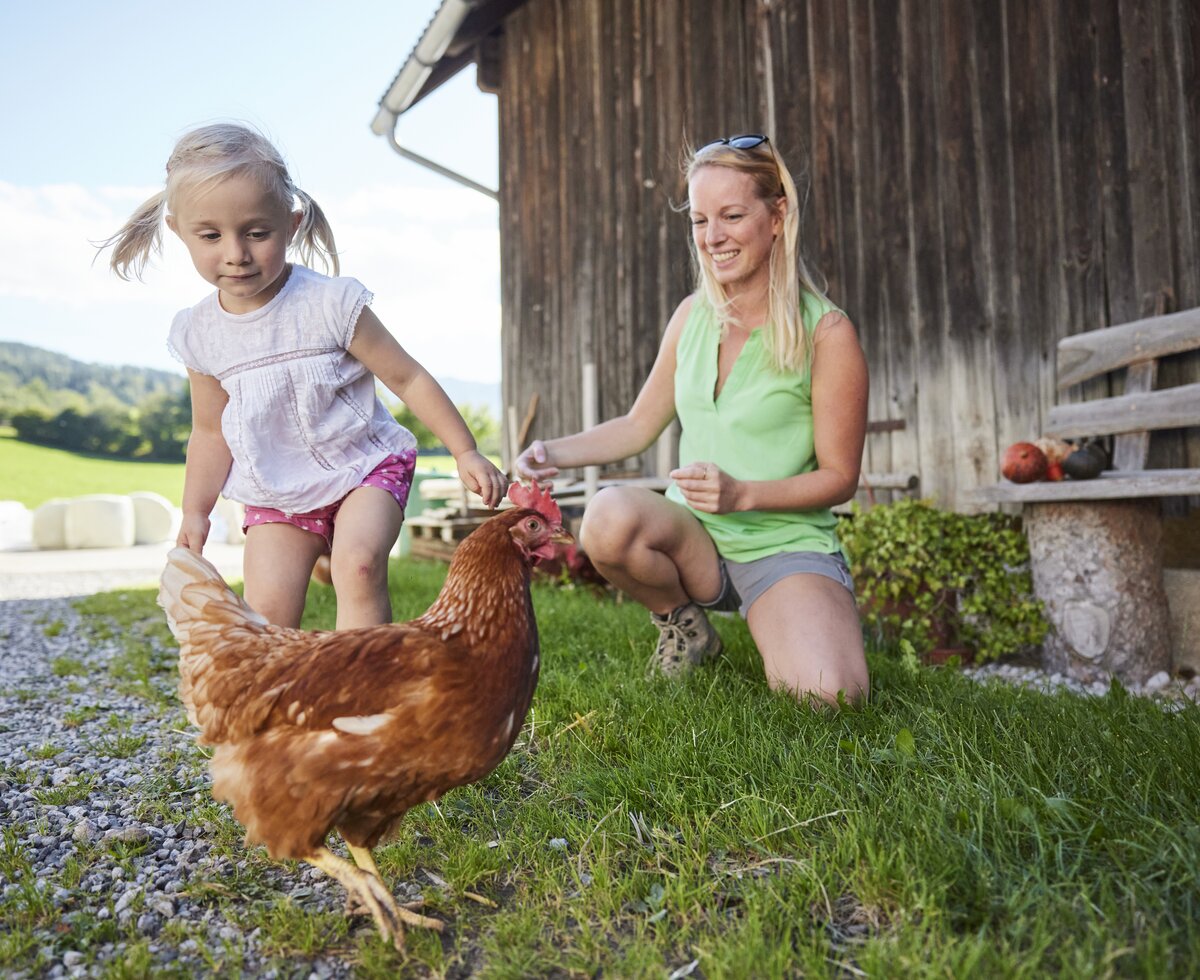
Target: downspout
412,75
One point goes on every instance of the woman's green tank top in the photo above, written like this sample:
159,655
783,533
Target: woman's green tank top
759,428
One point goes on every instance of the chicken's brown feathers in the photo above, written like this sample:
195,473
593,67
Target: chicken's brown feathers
349,729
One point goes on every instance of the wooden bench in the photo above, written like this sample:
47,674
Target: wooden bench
1096,545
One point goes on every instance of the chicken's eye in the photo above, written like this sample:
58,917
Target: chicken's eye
533,524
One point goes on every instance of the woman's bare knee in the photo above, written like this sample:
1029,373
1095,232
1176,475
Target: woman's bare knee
610,524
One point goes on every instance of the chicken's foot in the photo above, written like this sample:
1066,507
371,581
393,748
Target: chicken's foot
370,891
366,860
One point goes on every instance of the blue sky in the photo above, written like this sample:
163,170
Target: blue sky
93,96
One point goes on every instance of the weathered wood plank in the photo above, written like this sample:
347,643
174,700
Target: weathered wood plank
1110,485
1095,352
894,364
921,32
965,257
1167,408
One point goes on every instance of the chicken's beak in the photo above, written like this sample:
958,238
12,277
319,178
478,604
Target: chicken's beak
548,549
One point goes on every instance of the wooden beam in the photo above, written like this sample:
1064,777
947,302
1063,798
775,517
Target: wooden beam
1167,408
1095,352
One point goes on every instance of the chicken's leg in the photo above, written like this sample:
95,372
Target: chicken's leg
370,891
366,860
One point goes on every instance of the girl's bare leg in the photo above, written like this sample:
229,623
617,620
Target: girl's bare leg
276,564
365,529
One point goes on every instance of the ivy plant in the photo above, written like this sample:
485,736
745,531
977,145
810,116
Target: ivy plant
936,578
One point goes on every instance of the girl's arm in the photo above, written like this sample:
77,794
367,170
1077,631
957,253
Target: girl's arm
839,408
208,460
380,353
623,436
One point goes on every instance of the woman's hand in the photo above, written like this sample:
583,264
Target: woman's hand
480,476
532,464
706,488
193,532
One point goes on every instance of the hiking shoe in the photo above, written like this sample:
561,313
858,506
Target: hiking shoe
686,640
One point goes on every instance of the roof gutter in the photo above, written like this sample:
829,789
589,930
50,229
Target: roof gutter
413,74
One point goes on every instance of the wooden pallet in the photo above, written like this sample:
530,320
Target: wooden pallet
435,534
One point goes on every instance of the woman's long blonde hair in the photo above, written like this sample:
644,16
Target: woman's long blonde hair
787,339
208,155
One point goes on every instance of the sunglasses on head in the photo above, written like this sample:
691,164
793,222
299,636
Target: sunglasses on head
747,141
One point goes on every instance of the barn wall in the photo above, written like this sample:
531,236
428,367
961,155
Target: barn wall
987,178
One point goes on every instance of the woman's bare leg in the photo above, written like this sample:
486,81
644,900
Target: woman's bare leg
650,548
807,629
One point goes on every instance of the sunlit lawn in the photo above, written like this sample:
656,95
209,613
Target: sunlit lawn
34,474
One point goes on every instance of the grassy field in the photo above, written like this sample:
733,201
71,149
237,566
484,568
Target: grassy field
34,474
645,828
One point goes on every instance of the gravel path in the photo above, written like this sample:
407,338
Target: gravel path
112,850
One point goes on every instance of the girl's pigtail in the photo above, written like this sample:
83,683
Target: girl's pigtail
138,238
314,237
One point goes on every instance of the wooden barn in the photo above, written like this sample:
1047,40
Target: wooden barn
987,178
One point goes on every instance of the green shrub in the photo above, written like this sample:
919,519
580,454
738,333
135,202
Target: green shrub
935,578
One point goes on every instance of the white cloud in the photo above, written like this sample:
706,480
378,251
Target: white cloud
431,258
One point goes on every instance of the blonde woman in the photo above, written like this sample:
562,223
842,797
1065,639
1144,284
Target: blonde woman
769,383
282,362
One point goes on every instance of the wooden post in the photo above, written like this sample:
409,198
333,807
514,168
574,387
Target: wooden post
591,474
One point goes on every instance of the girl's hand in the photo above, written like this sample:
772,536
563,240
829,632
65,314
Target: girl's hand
706,488
532,465
479,475
193,532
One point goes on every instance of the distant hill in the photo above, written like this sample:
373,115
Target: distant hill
32,377
483,393
37,378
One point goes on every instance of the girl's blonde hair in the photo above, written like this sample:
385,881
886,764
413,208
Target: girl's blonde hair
787,340
208,155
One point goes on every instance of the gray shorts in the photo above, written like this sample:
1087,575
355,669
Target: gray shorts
743,582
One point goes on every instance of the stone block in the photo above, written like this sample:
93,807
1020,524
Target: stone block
1096,567
155,518
100,520
49,525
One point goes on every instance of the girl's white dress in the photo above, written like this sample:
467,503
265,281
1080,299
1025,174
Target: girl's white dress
304,423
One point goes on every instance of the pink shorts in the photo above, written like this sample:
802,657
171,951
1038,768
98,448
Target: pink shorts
394,475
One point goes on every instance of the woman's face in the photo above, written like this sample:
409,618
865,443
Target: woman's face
733,227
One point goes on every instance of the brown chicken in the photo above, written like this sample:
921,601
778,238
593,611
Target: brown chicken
348,730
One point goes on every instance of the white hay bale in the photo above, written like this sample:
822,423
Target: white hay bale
155,518
226,518
49,525
99,520
16,526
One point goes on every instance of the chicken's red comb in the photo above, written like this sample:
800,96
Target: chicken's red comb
535,498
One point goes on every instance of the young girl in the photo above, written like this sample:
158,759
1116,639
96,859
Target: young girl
282,363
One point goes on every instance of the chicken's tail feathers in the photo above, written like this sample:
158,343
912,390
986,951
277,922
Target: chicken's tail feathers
193,590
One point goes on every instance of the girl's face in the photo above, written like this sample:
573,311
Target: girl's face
733,227
237,236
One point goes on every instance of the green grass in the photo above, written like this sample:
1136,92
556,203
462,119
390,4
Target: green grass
945,829
34,474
